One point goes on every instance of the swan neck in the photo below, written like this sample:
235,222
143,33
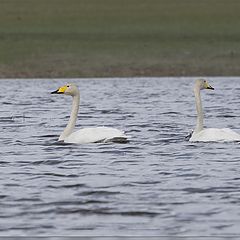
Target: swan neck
199,126
73,118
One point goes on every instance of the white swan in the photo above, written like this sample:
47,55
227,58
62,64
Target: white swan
210,134
86,135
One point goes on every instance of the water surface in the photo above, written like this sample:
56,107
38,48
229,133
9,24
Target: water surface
157,184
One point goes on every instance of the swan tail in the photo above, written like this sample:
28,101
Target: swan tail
117,140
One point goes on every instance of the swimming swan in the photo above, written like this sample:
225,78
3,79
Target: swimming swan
86,135
209,134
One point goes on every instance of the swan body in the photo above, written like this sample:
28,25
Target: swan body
215,135
96,135
85,135
210,134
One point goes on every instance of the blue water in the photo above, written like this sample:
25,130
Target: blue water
157,184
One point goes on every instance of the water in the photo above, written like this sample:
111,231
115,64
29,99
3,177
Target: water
157,184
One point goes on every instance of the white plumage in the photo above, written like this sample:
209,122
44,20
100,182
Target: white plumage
97,134
210,134
215,135
85,135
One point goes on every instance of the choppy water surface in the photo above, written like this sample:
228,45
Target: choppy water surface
157,184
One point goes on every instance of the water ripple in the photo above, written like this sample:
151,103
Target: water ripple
157,184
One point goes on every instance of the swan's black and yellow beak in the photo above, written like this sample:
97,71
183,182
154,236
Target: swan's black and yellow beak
60,90
56,92
208,86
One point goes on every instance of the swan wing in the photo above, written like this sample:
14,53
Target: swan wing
215,135
94,135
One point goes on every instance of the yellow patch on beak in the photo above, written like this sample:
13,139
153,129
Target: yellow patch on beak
208,86
62,89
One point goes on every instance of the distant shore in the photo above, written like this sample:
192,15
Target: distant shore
134,38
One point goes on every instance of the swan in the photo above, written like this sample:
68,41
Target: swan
85,135
210,134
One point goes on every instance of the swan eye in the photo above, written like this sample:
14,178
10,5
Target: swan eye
67,85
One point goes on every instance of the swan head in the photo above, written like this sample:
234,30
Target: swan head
68,89
203,84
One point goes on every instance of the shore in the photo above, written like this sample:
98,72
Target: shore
109,38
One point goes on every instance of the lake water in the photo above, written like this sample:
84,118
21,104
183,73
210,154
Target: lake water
157,184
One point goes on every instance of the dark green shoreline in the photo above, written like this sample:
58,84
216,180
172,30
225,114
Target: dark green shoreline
113,38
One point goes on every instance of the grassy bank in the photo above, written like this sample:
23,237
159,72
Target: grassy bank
99,38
